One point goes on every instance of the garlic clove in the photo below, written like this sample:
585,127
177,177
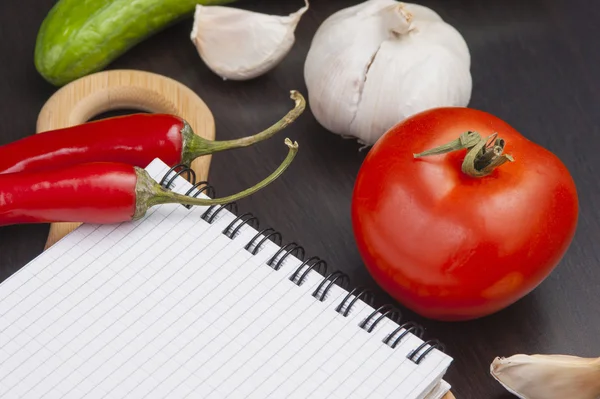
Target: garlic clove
239,44
548,376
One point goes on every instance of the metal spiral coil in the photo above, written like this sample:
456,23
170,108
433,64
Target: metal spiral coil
291,248
210,191
313,263
433,344
332,278
209,216
246,218
366,295
267,233
386,310
409,327
317,264
191,175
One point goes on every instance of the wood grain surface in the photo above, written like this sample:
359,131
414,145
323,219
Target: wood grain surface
93,95
534,64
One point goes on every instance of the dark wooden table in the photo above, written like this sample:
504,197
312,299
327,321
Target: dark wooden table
534,64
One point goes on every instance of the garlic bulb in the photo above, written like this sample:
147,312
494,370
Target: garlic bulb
239,44
548,376
372,65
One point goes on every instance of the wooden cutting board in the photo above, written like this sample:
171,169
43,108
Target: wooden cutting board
85,98
90,96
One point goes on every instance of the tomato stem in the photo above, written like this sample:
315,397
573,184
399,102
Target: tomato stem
483,156
466,140
196,146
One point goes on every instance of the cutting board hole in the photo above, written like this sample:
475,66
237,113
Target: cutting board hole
113,113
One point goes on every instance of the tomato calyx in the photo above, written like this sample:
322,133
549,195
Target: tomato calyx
483,155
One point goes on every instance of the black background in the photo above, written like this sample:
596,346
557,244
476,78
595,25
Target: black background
534,64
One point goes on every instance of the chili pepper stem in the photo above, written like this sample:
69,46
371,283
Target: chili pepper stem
483,156
149,193
195,146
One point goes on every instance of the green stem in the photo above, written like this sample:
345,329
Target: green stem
149,193
483,156
466,140
195,146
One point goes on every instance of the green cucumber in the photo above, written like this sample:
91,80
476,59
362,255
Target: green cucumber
79,37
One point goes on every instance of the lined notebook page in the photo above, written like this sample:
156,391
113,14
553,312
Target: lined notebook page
439,391
169,307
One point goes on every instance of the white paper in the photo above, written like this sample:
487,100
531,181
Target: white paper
169,307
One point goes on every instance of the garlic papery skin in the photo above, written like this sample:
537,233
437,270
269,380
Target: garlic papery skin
372,65
548,376
239,44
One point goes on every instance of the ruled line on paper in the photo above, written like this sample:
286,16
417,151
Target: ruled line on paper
168,307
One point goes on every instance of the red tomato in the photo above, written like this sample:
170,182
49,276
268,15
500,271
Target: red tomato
454,247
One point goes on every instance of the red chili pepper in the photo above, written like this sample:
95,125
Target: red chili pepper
98,192
133,139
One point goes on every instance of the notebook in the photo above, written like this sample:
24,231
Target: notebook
198,302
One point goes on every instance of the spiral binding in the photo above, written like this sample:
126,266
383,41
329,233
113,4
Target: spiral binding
246,218
385,310
365,293
313,263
